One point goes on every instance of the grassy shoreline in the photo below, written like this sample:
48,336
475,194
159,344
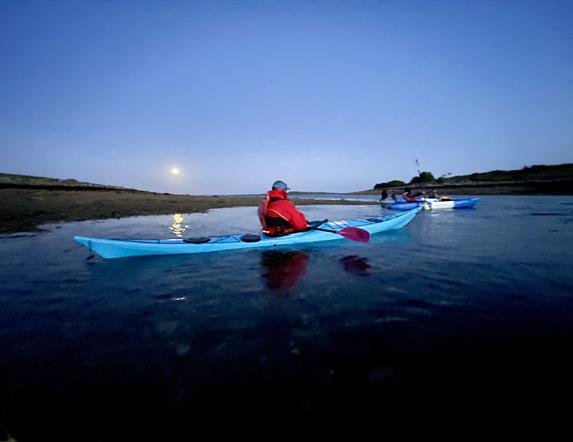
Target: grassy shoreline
24,209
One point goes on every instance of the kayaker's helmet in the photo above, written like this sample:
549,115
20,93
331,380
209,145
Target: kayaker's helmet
407,189
280,185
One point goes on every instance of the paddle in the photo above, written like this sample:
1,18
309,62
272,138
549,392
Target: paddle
351,233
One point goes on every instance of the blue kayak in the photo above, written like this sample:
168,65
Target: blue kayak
114,248
434,204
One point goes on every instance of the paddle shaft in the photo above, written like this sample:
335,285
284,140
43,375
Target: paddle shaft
324,230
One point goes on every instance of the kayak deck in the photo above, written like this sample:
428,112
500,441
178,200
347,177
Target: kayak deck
114,248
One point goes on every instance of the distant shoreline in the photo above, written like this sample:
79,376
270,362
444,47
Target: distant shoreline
538,179
560,187
26,208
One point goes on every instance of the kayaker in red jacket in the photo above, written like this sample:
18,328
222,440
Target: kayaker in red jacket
278,215
409,196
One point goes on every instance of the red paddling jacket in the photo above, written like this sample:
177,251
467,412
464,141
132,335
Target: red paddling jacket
409,197
279,216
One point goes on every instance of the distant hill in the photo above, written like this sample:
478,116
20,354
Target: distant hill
536,179
531,173
12,181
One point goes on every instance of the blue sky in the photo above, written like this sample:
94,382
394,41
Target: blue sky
327,96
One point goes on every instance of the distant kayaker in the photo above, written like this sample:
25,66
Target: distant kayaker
383,195
278,215
433,194
409,196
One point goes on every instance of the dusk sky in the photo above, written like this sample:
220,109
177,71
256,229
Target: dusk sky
327,96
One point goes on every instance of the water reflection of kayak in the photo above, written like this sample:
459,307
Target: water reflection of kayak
433,203
112,248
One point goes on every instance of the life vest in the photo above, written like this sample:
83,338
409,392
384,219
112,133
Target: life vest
279,216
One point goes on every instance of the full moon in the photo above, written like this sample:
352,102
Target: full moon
175,171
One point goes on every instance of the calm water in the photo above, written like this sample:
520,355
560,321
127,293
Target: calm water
460,304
